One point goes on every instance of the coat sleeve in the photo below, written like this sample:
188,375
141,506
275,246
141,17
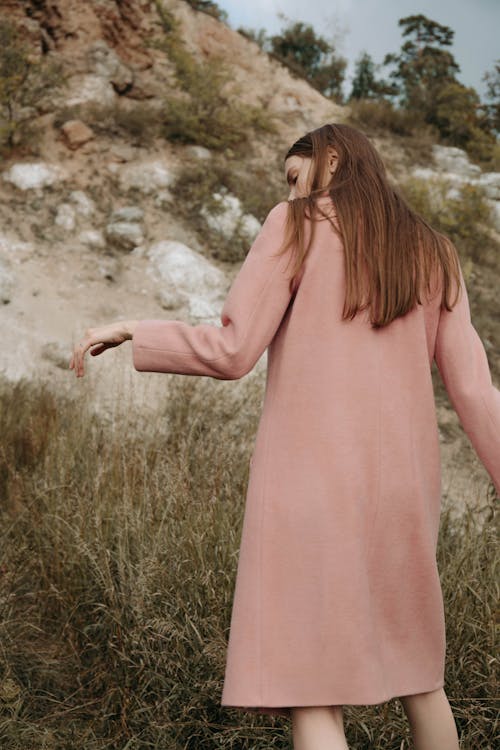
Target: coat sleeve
250,316
463,365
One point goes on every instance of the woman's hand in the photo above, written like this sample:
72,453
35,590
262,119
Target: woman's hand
105,337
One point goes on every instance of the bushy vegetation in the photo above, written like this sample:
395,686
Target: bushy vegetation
256,187
492,97
307,54
425,84
138,122
26,83
383,116
206,111
118,558
209,7
464,216
310,56
419,92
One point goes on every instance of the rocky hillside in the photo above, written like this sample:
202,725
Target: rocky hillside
90,231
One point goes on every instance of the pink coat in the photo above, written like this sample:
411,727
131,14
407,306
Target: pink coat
337,597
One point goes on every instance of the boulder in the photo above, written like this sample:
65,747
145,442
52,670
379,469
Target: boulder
84,205
76,133
65,217
456,160
127,213
231,215
145,176
490,181
199,152
105,63
32,175
89,89
92,238
124,234
186,277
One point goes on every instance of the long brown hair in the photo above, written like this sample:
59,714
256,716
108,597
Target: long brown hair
398,250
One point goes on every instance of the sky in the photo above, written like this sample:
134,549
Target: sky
358,25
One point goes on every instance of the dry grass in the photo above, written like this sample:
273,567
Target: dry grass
118,556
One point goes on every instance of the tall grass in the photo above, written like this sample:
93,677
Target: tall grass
118,557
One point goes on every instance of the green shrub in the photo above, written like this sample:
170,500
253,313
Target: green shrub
466,219
209,117
455,114
381,115
210,8
482,148
207,112
311,57
139,123
26,84
194,189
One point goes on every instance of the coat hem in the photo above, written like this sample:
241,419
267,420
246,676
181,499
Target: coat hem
284,710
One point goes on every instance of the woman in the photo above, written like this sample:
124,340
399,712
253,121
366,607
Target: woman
337,598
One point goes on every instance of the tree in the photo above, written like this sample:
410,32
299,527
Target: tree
259,37
25,83
311,57
429,89
492,106
210,8
364,84
422,66
456,117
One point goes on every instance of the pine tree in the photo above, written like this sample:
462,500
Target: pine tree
422,66
365,84
311,57
492,105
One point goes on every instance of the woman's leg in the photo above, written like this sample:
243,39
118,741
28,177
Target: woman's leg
318,728
431,721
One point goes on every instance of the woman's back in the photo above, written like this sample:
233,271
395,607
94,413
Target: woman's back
337,595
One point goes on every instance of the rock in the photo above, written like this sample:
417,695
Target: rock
495,212
13,247
452,159
89,89
250,225
65,217
182,271
425,173
490,181
7,280
84,205
32,175
106,63
436,178
124,234
76,133
145,176
170,298
162,197
199,152
127,213
92,238
227,221
122,153
201,308
108,268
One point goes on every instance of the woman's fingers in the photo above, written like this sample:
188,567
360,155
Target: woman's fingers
90,337
99,349
103,337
